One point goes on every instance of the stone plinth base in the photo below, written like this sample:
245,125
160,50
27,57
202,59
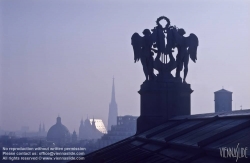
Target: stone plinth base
161,101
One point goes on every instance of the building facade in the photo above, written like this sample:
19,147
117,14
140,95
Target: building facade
126,127
91,129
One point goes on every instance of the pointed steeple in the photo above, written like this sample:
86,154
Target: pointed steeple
87,121
113,92
93,123
113,110
40,127
43,127
82,121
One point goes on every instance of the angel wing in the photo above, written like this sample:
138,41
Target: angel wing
193,43
137,42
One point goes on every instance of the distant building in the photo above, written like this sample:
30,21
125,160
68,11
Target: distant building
40,128
1,131
223,100
91,129
13,141
128,121
81,129
126,127
58,133
113,111
74,137
42,131
25,128
12,134
99,125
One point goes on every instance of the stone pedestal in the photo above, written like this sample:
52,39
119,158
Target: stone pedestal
161,101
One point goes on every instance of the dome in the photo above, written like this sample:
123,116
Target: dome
58,133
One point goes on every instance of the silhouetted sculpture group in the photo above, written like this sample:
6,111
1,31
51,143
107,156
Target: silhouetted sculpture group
153,42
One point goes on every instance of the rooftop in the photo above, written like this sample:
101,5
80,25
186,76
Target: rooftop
223,91
194,138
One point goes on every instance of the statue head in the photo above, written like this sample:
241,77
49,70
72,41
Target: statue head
181,31
146,32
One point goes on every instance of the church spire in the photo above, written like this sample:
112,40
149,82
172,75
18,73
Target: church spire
82,121
113,91
40,127
43,127
113,111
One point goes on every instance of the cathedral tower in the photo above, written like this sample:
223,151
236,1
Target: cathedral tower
113,111
43,128
81,129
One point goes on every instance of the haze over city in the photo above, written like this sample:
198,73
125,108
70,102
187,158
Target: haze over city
59,57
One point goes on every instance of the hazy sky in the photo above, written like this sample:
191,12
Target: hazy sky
59,57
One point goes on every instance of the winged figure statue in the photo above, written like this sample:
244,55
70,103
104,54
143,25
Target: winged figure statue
142,47
187,47
153,42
